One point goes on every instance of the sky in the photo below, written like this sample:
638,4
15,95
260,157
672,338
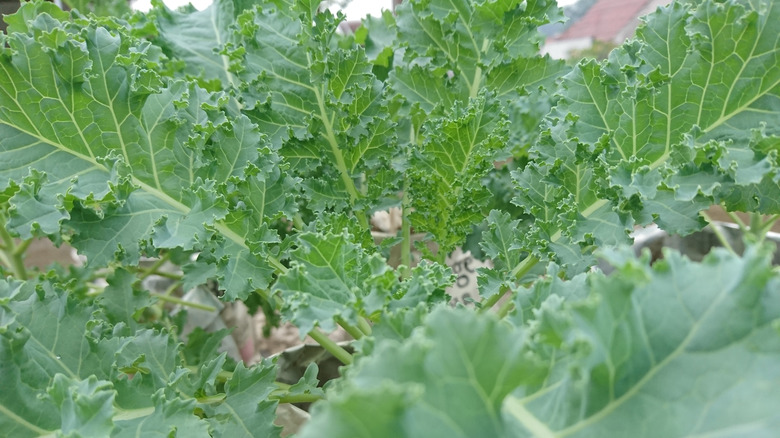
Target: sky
355,10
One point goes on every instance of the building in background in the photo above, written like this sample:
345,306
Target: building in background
608,22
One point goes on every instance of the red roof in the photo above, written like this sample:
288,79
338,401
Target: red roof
605,20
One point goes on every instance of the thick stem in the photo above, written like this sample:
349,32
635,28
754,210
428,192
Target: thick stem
738,221
332,347
756,224
216,398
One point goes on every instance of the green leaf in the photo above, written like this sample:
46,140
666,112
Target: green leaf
448,380
469,71
319,103
150,357
308,383
326,281
121,300
682,102
197,38
446,190
377,35
85,406
97,136
498,245
168,417
346,415
246,410
676,334
67,370
679,349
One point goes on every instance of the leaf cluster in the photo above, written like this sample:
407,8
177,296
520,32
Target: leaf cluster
251,142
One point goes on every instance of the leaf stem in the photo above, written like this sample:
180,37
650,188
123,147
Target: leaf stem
216,398
222,375
296,398
718,232
406,227
179,301
333,348
505,308
273,261
524,267
153,270
298,221
518,272
353,331
364,326
11,254
738,221
22,247
490,302
769,223
341,165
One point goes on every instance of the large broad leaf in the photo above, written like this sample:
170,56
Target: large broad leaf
447,380
681,117
94,136
680,349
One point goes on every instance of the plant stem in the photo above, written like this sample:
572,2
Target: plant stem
297,398
273,261
738,221
505,308
718,232
364,326
490,302
521,269
152,270
769,223
332,347
353,331
11,254
524,267
406,227
216,398
163,274
298,221
756,225
175,300
221,375
341,165
283,386
22,247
